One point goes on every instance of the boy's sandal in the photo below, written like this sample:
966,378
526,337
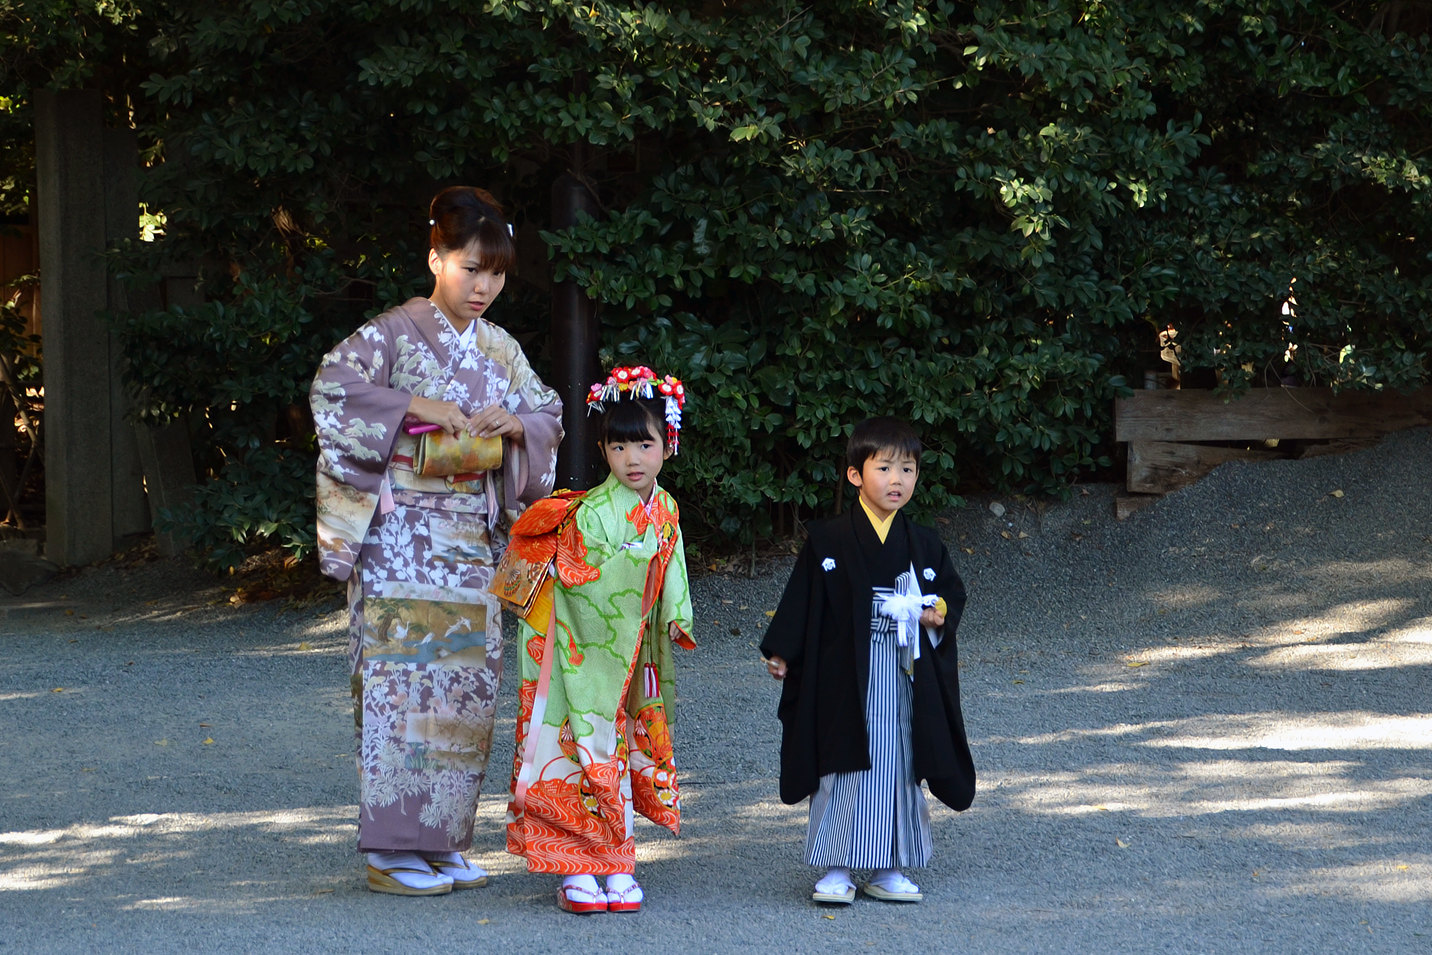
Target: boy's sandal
464,874
404,873
580,900
893,888
834,890
624,898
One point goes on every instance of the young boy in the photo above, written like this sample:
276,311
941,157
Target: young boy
864,642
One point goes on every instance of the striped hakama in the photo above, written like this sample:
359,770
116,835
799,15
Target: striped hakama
875,818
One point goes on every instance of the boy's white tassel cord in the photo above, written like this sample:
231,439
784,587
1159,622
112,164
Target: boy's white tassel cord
906,609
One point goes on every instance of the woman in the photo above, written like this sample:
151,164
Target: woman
418,552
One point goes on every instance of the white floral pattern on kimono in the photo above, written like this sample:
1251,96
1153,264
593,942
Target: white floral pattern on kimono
417,553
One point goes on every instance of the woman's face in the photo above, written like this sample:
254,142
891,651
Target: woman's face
464,288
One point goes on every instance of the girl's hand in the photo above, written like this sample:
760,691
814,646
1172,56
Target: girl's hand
776,667
497,420
930,617
445,414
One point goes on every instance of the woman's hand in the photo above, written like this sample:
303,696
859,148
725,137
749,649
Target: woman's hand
445,414
776,667
495,420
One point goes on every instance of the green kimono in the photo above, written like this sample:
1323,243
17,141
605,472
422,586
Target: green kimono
593,738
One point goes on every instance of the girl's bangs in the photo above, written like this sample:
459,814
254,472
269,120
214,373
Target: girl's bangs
630,421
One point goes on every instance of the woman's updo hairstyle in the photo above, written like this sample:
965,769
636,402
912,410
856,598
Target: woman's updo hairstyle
462,215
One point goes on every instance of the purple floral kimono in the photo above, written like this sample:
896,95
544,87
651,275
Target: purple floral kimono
425,637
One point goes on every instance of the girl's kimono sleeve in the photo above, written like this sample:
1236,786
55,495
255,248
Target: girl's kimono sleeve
356,416
676,597
674,606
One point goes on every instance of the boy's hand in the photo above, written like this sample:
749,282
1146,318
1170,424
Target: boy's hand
930,617
776,667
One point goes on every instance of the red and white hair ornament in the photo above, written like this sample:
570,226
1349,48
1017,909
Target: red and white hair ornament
639,381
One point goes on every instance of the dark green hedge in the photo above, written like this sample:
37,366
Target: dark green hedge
972,214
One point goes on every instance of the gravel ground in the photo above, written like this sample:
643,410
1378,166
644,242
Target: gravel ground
1201,729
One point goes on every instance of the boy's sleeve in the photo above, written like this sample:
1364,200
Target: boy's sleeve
785,637
798,616
951,589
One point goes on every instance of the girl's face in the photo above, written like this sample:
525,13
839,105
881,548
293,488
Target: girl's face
636,463
464,287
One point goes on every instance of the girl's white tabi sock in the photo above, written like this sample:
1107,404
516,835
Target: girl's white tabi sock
620,882
587,883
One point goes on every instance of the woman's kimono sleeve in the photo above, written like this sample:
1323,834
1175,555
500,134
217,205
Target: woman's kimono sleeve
529,469
357,417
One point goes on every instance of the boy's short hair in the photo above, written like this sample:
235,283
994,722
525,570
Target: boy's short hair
633,419
874,435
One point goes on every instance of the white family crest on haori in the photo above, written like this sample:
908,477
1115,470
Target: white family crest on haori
928,573
828,564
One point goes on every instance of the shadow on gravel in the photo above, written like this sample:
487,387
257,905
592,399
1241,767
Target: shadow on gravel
1203,729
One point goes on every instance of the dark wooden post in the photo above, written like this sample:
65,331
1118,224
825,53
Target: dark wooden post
121,221
69,168
574,348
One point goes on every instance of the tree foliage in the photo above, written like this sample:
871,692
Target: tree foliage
972,214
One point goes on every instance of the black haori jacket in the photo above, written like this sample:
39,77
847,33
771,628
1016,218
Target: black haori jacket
822,630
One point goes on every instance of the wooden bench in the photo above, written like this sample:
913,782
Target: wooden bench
1165,430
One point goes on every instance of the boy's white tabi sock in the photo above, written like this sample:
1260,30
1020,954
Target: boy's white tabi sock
894,880
836,880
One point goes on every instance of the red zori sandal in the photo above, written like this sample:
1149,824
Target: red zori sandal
580,896
623,893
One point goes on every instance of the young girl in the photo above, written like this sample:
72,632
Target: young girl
593,739
425,636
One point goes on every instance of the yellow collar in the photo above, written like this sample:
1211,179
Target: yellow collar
882,528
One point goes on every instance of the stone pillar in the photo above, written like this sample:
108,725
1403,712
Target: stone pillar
69,171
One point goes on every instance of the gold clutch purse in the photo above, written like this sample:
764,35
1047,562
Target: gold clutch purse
439,454
522,584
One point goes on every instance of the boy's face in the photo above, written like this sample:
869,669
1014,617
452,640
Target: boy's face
886,482
636,463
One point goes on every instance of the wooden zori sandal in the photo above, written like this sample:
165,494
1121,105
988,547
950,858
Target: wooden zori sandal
834,888
893,887
405,873
464,874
